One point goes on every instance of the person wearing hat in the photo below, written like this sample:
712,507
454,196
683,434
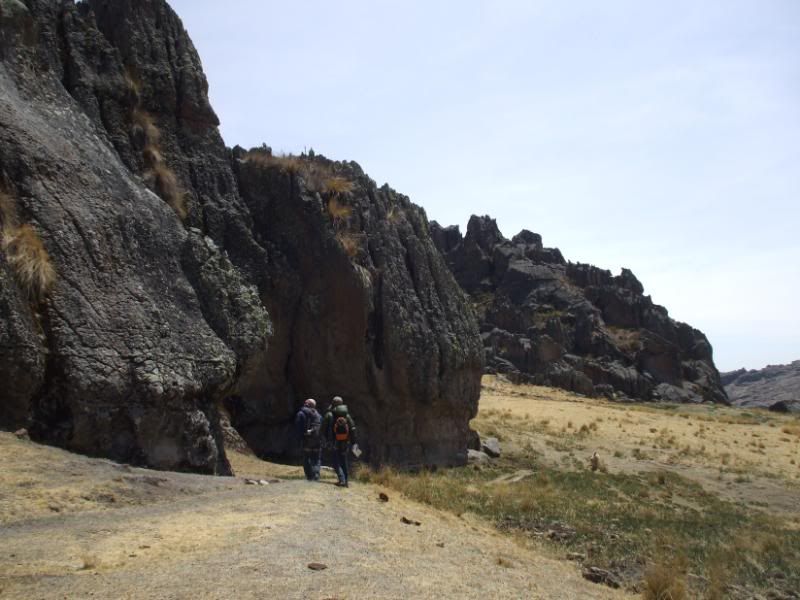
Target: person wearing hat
339,431
307,427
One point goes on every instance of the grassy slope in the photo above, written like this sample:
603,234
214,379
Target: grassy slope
706,497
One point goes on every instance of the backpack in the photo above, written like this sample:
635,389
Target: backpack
341,429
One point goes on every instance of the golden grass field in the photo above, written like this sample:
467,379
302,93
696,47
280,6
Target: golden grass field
685,501
707,442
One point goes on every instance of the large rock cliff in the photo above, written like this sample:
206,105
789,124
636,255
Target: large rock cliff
145,267
548,321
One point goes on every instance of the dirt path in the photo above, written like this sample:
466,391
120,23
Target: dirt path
204,537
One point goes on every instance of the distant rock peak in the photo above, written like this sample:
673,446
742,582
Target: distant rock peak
573,325
776,387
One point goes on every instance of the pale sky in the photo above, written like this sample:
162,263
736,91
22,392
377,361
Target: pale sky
659,136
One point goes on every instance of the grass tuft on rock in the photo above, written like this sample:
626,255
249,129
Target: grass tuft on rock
29,260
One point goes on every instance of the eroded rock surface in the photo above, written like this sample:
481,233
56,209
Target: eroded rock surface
363,306
551,322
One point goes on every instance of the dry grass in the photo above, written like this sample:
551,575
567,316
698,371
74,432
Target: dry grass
144,122
664,582
709,499
318,176
287,163
628,340
8,212
338,185
158,175
152,156
168,188
791,430
338,211
689,437
133,84
29,260
350,242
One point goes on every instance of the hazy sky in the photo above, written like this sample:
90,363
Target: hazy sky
659,136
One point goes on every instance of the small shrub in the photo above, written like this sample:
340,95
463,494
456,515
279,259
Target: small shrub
29,260
664,582
338,185
339,212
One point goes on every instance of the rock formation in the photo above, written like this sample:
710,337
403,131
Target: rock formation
776,387
361,302
548,321
149,276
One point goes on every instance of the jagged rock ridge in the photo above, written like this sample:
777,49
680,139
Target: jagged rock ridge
776,387
187,277
548,321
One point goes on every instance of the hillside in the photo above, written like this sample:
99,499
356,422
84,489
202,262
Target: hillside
548,321
776,387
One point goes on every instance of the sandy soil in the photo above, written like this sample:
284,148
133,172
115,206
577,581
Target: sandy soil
79,528
748,456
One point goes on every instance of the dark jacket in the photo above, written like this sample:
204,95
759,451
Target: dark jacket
306,426
330,417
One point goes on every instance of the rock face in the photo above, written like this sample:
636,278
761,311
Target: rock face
551,322
144,267
776,387
363,306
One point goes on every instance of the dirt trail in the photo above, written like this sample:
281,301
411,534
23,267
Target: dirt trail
170,535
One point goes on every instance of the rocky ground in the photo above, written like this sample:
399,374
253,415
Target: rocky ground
80,528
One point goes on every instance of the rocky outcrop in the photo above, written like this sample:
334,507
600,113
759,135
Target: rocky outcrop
139,287
776,387
548,321
363,307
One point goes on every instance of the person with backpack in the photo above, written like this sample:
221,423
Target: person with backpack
307,425
339,431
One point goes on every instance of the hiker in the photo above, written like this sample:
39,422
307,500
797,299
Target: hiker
307,426
339,431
